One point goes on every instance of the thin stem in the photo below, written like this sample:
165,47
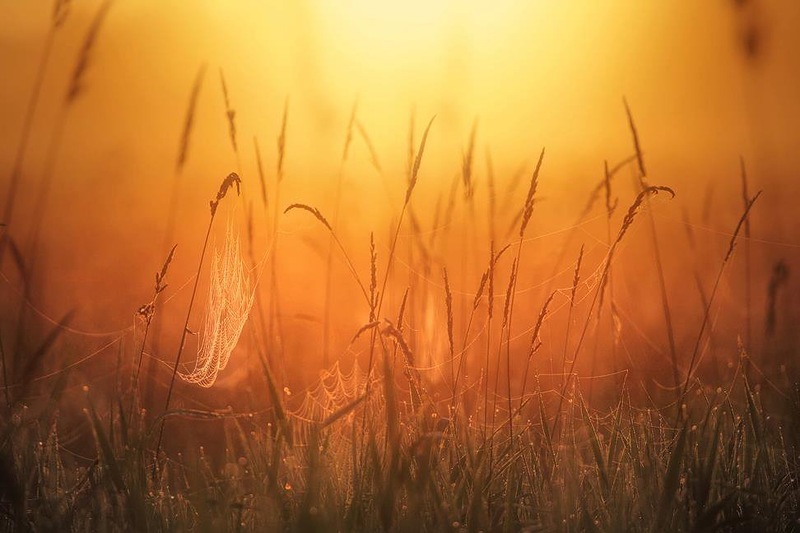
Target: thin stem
40,206
326,326
135,380
19,157
462,355
626,224
707,312
5,372
673,351
183,336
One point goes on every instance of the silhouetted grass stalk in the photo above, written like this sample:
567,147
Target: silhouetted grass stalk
230,181
626,224
696,350
60,11
527,212
275,343
662,285
174,208
74,89
337,200
748,268
414,176
147,312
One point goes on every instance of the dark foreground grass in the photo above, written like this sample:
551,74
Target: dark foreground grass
728,466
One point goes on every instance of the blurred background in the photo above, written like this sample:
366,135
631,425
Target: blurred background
707,83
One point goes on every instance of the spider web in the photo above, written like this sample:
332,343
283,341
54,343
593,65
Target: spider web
334,390
230,298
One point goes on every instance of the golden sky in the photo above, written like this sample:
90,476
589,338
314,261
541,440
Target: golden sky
538,73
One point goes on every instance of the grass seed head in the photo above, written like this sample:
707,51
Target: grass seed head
373,154
742,222
261,179
188,123
230,180
481,287
449,304
576,277
637,203
348,140
282,141
466,164
418,161
230,114
85,55
529,201
636,145
60,12
373,276
313,210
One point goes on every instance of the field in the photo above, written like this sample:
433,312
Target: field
417,320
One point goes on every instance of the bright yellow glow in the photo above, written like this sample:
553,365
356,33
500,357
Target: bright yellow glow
392,31
534,73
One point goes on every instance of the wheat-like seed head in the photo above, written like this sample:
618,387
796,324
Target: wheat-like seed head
261,179
418,161
636,145
637,203
282,141
449,303
373,154
576,277
348,139
147,310
60,12
610,205
373,277
492,262
402,310
481,287
230,180
529,201
313,210
188,123
84,58
535,342
510,292
366,327
160,285
742,221
466,164
230,114
395,334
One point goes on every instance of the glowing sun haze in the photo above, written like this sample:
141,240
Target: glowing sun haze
532,74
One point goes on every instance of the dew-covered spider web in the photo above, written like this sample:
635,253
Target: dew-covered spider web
230,298
335,390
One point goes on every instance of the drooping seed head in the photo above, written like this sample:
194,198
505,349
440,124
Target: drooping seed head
230,180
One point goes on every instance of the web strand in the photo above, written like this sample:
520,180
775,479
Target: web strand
230,299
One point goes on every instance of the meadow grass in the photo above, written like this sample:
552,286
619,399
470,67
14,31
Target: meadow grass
723,458
446,427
